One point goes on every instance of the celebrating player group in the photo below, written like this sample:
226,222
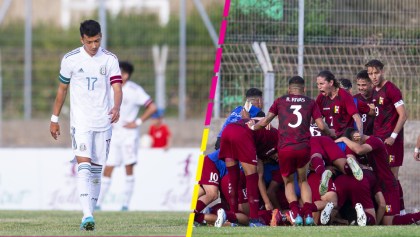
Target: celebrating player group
330,161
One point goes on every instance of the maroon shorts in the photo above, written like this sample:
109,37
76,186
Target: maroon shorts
373,183
293,157
210,173
327,148
225,184
391,193
238,143
349,188
314,180
396,153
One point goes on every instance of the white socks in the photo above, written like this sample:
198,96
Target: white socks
95,185
105,184
83,187
128,190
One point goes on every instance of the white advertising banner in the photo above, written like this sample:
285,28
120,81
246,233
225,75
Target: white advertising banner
44,179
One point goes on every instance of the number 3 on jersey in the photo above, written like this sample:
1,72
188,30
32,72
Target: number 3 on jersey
296,112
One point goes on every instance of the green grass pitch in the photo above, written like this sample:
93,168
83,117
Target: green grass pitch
108,223
133,223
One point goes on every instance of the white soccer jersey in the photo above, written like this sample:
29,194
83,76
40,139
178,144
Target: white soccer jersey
134,97
90,81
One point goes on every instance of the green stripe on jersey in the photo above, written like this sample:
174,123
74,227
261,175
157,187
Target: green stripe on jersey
64,80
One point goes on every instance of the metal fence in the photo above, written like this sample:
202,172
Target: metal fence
131,35
340,36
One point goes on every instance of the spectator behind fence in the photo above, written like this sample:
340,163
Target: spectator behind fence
159,131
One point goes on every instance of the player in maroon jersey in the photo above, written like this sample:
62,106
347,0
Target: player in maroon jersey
295,112
336,104
324,152
378,160
240,144
366,108
390,117
365,88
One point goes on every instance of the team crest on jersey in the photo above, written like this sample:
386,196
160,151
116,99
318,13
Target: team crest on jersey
336,109
391,159
388,208
102,70
82,147
381,100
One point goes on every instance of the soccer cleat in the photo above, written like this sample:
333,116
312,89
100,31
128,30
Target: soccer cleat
221,218
325,179
326,213
355,168
198,224
299,221
296,221
88,224
274,217
361,215
124,208
233,224
309,220
256,223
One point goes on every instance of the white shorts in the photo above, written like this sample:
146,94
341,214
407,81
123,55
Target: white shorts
91,144
123,149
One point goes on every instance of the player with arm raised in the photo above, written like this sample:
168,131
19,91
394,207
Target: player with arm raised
90,71
295,112
251,109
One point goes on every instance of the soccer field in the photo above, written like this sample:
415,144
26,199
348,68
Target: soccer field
315,231
66,223
108,223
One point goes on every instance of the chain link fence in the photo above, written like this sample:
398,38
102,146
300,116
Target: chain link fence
339,35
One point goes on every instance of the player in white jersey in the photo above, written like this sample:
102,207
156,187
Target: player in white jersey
91,72
125,134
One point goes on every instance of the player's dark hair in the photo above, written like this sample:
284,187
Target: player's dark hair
260,114
127,67
375,63
90,28
296,80
348,132
329,76
363,75
253,92
345,83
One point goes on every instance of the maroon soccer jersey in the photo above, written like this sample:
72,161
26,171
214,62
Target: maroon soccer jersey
294,113
238,142
327,148
366,119
385,100
210,174
266,141
338,112
378,160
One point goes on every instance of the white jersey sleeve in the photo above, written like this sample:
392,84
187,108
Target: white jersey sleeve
134,97
90,79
